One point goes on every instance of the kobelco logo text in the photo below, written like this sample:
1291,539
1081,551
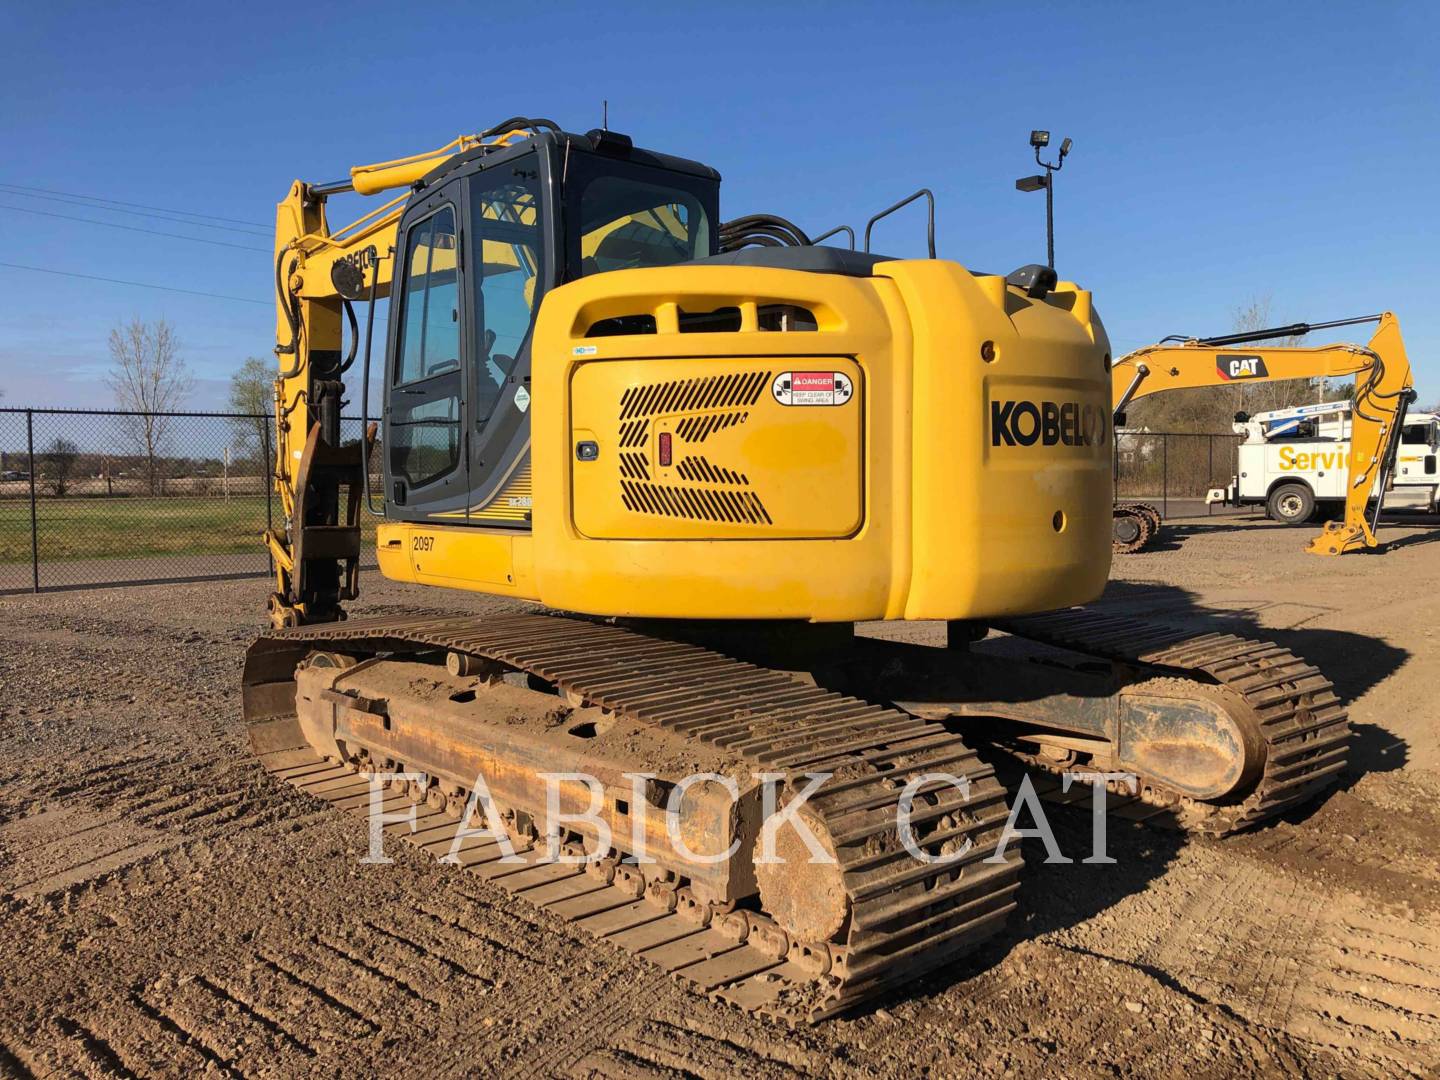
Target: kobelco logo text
1050,423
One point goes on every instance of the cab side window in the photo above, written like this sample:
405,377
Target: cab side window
505,215
426,396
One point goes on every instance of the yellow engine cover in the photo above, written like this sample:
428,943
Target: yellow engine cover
719,449
919,443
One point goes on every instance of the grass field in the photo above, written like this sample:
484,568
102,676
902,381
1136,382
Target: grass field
80,528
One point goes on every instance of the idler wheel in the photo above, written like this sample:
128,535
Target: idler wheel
808,899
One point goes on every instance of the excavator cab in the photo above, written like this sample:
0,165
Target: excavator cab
492,232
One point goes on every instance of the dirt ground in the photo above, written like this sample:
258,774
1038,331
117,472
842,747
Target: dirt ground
166,908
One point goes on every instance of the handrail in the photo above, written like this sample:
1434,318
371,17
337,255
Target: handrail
930,225
837,229
365,444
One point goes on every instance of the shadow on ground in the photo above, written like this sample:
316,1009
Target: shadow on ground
1058,895
1176,532
1055,895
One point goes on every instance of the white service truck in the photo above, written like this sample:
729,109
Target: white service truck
1294,463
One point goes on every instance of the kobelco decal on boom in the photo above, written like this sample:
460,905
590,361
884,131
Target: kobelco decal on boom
1050,423
1231,366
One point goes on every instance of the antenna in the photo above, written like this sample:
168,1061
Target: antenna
605,114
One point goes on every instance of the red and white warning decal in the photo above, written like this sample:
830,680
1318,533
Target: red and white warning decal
812,388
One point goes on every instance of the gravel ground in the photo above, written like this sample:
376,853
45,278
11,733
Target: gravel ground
167,908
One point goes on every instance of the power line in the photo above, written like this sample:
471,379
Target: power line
137,206
136,284
130,228
8,189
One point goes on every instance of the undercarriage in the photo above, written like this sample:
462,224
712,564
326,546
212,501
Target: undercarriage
676,750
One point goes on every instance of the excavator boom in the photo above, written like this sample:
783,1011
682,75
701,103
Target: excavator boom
320,275
1383,392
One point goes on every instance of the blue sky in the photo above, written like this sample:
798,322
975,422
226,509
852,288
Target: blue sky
1223,153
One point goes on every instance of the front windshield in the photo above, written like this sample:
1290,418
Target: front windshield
635,216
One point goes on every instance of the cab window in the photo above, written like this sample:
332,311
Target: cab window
424,412
633,216
430,335
506,217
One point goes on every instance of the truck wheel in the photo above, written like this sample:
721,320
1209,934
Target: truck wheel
1291,504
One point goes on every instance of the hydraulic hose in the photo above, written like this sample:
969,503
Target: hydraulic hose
282,295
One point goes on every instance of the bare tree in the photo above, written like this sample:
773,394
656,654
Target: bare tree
252,395
58,463
149,380
1262,397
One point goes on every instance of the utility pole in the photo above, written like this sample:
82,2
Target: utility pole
1046,180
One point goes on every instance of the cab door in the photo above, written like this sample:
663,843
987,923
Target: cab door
1415,459
510,256
426,473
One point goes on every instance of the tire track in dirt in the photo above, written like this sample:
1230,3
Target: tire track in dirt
725,1053
1323,966
192,1041
345,1021
595,1025
1373,990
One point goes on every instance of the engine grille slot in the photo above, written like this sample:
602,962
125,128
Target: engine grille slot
699,470
740,389
634,467
633,433
700,428
698,503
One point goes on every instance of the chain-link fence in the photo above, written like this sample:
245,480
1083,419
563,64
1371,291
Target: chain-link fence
91,497
1174,470
94,497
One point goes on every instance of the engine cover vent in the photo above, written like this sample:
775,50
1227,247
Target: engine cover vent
697,503
634,467
717,448
700,470
685,395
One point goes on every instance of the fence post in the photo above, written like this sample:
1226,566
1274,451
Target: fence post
34,519
1165,475
267,477
1114,466
1209,475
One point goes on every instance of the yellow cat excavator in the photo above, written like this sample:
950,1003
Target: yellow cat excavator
695,454
1383,392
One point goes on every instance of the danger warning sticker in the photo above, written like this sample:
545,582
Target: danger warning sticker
812,388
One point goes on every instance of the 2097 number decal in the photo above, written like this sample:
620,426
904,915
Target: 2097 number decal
422,543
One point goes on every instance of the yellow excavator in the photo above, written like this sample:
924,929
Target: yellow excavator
1384,391
696,453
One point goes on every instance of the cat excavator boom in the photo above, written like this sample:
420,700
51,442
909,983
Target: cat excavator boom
1383,392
